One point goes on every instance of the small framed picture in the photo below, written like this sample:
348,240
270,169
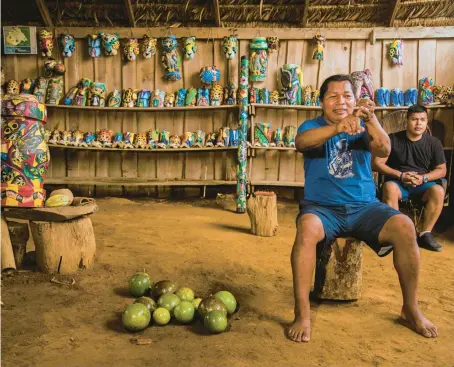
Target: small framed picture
19,40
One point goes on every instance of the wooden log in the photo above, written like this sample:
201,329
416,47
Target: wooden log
338,274
19,235
262,211
60,214
8,261
64,247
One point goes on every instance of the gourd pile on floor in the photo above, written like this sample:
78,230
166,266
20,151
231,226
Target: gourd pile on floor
158,304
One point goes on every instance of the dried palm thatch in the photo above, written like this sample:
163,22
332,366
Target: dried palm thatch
235,13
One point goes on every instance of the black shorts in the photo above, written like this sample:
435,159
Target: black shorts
361,221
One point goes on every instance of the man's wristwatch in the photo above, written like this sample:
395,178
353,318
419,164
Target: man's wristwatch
425,179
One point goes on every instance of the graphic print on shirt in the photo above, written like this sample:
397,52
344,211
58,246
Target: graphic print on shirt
340,161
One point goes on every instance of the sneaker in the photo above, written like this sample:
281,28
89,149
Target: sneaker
428,242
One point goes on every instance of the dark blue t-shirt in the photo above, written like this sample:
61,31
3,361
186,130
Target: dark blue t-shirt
339,171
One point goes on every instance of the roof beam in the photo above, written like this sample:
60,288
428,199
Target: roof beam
306,11
393,13
217,13
129,11
44,11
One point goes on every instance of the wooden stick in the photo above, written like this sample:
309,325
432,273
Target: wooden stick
8,261
217,13
130,13
44,11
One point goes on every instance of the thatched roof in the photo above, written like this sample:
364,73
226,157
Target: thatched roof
230,13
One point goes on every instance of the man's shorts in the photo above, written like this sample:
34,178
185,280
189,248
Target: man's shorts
409,192
361,221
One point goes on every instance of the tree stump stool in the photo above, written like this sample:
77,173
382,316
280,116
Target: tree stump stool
262,211
64,237
8,262
19,235
338,273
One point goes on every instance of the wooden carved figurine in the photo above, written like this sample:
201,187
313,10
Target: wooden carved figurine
396,52
230,47
110,43
233,141
169,100
45,39
210,140
104,136
164,139
264,96
203,97
315,100
128,140
55,136
191,97
148,46
83,90
129,98
273,44
199,139
117,141
131,49
157,98
94,45
12,87
253,95
171,59
114,99
174,141
426,94
291,82
67,44
97,95
411,96
307,95
276,138
230,94
216,95
274,97
320,42
289,136
40,89
54,91
69,98
77,137
26,86
181,97
187,140
258,60
143,98
140,141
152,139
65,137
189,47
210,75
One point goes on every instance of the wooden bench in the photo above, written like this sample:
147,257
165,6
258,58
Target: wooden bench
64,238
338,272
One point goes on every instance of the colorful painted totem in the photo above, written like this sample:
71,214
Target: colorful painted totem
25,155
241,188
259,59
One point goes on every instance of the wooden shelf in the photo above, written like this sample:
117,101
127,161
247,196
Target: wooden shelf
155,150
316,108
274,148
277,183
132,181
143,109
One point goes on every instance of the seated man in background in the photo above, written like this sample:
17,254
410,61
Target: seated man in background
340,201
413,169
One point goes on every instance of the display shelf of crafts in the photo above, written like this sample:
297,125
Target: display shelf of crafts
133,181
154,150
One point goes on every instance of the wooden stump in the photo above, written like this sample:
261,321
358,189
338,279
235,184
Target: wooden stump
8,261
338,274
19,235
64,247
262,211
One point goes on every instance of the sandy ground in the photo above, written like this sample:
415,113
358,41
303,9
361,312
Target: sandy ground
206,246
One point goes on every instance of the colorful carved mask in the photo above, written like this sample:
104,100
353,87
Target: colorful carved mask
230,47
67,44
131,49
94,45
171,59
320,43
110,42
396,52
210,75
45,39
149,46
273,44
189,47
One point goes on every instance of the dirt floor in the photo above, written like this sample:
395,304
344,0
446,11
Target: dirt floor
206,246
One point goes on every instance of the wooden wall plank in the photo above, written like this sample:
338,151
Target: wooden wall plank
336,59
374,61
426,65
358,56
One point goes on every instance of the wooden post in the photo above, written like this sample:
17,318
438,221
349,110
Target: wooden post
7,248
19,235
338,274
64,247
262,211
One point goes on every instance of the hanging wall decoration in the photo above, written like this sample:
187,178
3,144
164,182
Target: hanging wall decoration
46,43
67,44
319,50
131,49
364,86
291,82
273,44
110,43
210,75
230,47
52,67
94,45
189,47
396,52
258,60
171,59
149,46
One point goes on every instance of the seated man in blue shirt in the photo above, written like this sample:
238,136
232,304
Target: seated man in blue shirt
340,201
413,170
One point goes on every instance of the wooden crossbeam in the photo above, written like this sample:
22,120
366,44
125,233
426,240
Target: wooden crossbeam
306,11
130,12
395,7
44,11
217,13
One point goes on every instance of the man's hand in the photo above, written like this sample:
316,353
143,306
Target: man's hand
412,179
350,124
366,103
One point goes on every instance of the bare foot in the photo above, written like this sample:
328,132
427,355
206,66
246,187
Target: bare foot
300,330
415,320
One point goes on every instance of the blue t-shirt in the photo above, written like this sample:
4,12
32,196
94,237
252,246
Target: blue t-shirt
339,171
